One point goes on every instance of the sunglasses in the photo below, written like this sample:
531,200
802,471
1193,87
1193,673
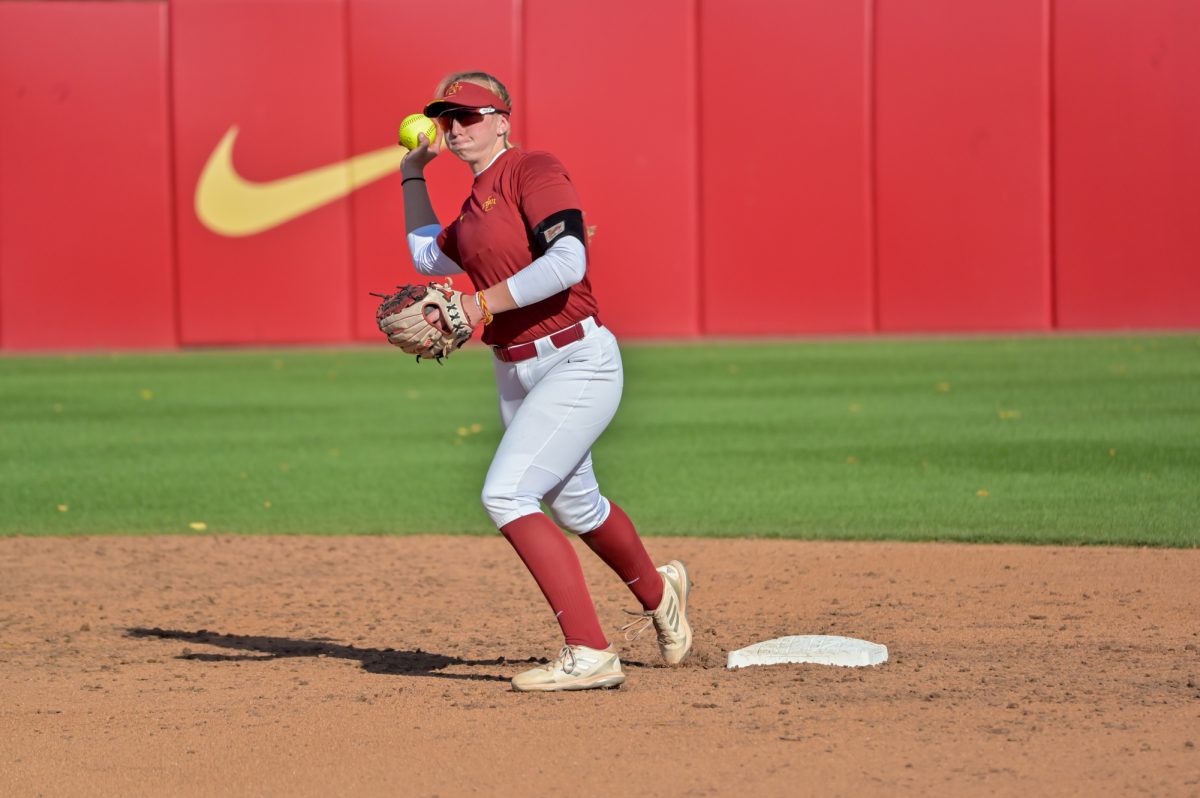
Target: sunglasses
464,116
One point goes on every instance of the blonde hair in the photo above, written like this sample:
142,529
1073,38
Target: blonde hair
489,82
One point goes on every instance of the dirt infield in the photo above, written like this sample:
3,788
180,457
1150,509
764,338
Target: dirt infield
378,666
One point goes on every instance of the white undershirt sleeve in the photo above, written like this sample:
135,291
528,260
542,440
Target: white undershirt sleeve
427,256
563,265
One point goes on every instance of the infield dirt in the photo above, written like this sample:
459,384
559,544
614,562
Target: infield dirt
302,666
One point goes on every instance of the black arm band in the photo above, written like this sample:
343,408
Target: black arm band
557,225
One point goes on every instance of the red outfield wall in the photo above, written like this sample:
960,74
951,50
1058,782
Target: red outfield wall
1127,163
383,89
961,132
86,251
784,168
277,71
879,165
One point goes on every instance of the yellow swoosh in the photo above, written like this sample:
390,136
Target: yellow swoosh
232,206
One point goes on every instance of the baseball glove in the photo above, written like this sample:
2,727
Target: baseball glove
425,320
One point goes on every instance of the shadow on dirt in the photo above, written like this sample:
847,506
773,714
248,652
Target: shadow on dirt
374,660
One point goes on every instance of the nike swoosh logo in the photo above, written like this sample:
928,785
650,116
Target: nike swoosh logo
232,206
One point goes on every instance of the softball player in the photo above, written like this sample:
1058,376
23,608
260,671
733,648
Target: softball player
521,239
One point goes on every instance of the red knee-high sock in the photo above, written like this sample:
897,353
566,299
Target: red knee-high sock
616,541
551,559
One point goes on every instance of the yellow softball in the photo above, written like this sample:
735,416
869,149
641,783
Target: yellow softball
412,126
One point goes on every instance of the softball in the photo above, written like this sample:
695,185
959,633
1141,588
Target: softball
412,126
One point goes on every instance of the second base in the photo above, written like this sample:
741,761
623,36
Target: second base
818,649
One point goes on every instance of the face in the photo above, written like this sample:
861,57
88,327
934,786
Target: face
473,136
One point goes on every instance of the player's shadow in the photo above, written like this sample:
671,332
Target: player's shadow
374,660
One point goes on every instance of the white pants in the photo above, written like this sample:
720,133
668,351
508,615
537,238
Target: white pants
554,407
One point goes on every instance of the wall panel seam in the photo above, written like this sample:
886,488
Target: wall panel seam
173,209
871,35
352,201
520,60
1048,166
697,81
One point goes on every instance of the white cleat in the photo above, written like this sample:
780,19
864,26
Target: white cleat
670,618
575,668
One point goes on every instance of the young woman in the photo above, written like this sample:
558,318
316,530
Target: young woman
521,239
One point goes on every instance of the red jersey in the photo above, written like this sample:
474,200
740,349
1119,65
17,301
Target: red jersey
492,239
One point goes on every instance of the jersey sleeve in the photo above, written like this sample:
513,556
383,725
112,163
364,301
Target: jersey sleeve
447,242
545,188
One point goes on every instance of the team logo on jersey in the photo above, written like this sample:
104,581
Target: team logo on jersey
489,203
554,232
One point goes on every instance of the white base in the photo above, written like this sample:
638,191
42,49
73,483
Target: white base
819,649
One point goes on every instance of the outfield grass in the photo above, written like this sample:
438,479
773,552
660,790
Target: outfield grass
1063,440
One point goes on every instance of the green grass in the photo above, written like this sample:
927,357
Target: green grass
1046,439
